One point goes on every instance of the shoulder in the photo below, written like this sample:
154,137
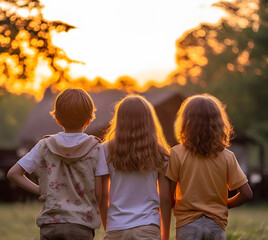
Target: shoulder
42,142
94,139
46,138
179,149
227,154
227,157
105,145
177,153
93,142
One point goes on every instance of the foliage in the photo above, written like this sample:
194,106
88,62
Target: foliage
248,222
13,111
230,60
25,44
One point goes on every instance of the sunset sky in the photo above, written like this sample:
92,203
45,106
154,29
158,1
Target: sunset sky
118,37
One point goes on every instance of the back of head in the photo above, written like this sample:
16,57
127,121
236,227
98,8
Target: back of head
73,108
202,125
135,135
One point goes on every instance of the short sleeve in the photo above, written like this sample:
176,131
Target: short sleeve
173,167
236,176
102,168
30,161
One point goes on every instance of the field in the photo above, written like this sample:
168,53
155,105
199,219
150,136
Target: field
245,223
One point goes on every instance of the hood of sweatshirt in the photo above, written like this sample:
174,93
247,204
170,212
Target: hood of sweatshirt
71,154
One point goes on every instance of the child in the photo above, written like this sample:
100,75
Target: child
137,155
69,166
203,169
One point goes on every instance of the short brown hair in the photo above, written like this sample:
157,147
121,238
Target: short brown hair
73,107
202,125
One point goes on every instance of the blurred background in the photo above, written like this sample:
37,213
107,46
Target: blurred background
164,50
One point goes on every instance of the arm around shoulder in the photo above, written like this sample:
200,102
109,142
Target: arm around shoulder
244,195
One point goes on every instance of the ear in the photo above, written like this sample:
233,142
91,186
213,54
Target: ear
87,122
58,122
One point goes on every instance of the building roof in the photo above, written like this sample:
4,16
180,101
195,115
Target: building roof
40,122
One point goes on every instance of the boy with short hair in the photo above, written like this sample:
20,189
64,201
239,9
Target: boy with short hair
69,166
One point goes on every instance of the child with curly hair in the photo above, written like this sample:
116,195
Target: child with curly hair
203,169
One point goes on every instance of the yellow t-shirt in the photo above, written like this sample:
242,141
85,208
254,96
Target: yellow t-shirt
203,184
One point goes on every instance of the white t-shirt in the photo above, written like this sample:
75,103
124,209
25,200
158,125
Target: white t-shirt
31,160
134,200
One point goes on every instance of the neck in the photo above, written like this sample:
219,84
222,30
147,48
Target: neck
78,130
73,130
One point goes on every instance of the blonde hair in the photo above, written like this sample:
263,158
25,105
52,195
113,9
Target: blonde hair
73,107
202,125
136,141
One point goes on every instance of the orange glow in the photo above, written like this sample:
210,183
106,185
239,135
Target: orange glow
216,46
245,14
243,58
195,71
258,72
33,63
240,68
235,49
230,67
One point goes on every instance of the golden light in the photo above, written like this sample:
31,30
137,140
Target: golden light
230,67
127,38
120,44
258,72
243,58
216,46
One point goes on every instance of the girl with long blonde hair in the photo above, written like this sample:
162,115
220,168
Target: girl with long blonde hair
137,154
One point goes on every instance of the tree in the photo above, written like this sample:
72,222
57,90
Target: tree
229,60
25,44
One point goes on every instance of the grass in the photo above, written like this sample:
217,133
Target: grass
248,222
17,222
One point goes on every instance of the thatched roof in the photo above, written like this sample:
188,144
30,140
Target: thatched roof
41,123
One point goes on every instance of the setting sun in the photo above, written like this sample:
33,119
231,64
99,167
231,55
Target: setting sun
127,45
126,38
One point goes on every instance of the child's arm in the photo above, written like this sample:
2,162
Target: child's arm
17,175
105,199
165,205
244,195
172,189
98,189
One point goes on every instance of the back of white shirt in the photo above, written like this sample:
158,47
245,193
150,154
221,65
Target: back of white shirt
134,200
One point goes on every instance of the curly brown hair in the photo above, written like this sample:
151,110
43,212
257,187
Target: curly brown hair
136,141
202,125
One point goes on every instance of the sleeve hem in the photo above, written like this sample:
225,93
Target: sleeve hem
171,178
239,184
101,173
25,168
